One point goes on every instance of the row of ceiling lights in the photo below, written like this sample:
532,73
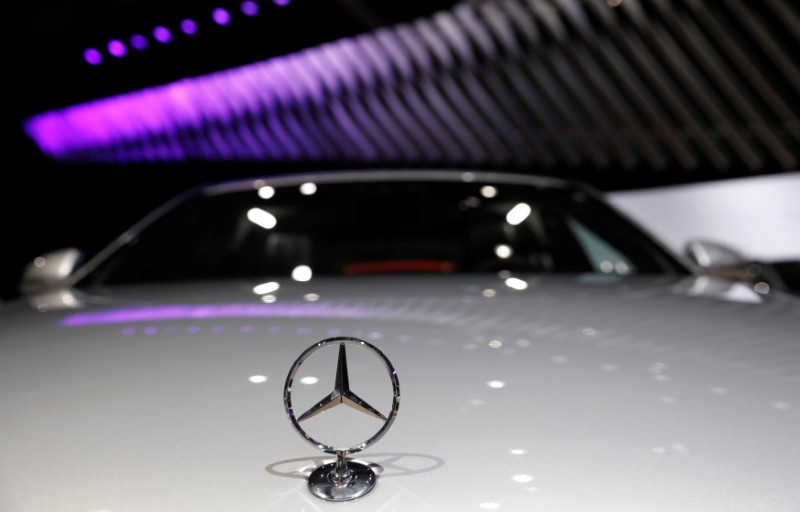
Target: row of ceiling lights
162,34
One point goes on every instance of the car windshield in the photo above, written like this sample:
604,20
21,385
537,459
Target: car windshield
377,227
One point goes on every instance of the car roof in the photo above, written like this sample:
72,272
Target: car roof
388,175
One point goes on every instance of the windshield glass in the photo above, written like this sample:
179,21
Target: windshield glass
384,227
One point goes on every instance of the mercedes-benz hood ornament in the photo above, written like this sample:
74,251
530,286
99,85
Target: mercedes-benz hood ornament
343,479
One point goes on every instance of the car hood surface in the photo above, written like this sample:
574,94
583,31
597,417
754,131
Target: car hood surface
548,394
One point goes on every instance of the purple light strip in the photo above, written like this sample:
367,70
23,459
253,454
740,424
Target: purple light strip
213,311
304,106
267,91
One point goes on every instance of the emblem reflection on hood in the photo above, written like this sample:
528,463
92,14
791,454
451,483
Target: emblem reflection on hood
344,479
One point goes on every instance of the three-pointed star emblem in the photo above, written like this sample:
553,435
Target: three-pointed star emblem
341,394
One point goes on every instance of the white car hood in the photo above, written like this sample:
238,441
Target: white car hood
576,393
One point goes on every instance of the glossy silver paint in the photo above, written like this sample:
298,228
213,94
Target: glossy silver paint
588,392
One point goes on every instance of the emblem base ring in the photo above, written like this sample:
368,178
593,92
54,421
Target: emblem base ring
360,480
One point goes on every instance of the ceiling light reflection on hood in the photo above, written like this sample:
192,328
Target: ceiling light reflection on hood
261,218
302,273
516,283
265,288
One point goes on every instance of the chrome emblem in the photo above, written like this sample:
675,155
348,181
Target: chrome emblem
343,479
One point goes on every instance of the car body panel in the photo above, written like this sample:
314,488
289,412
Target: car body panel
576,393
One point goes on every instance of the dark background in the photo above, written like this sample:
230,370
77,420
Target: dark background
47,205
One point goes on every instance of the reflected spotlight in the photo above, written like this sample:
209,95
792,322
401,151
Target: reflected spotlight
308,189
266,288
302,273
518,214
261,218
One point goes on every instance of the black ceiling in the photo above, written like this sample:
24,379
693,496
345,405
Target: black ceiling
622,92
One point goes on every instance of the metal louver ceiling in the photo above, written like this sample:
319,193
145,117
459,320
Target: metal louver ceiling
547,85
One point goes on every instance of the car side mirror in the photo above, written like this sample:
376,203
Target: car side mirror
50,270
711,255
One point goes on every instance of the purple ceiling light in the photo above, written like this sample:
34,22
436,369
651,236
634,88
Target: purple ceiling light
139,42
92,56
117,48
189,27
250,8
158,123
162,34
296,107
221,16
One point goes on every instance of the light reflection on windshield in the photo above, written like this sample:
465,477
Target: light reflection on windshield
308,189
261,218
266,192
503,251
488,191
369,227
518,214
